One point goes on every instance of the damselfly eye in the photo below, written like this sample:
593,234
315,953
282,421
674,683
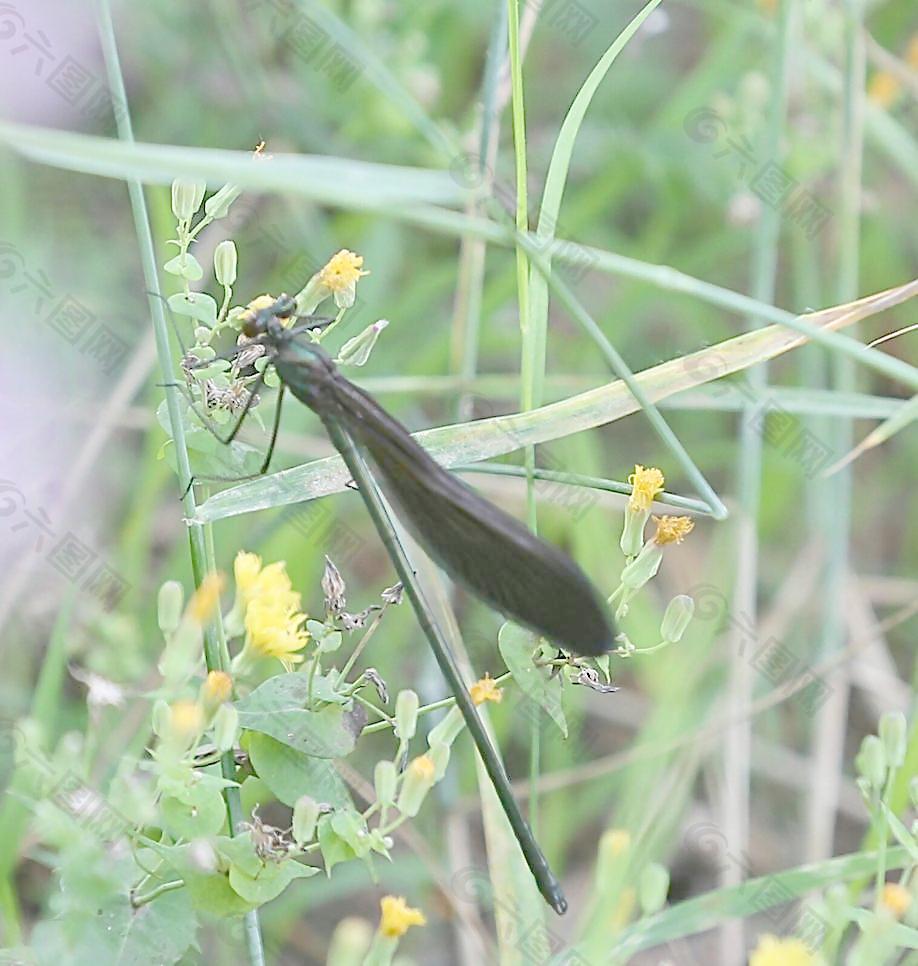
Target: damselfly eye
285,306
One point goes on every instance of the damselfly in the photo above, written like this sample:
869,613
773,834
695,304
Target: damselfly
476,543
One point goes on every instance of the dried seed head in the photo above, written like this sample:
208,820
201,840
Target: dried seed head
374,677
334,589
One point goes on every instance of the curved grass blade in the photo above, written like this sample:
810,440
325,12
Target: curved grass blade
467,443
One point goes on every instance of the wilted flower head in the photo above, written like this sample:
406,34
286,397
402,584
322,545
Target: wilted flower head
672,529
486,689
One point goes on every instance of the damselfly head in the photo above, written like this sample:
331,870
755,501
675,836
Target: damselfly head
260,313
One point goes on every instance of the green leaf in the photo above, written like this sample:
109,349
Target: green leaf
516,646
214,895
185,266
752,897
198,814
115,933
276,708
334,848
270,881
349,826
896,933
325,179
290,773
903,835
198,305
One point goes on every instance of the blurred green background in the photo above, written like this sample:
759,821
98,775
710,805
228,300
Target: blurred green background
828,559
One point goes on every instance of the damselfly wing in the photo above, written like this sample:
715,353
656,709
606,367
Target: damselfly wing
476,543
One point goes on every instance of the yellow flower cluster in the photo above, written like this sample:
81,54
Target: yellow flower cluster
398,917
486,690
896,898
206,598
272,617
885,88
772,951
672,529
339,276
646,483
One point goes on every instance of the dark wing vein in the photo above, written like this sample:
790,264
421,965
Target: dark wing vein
475,542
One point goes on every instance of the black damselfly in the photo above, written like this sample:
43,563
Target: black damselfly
480,546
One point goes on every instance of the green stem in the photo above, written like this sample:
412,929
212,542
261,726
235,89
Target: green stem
371,630
532,369
138,901
548,885
426,709
199,541
882,840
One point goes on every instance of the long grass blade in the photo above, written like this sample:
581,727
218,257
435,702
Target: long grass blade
487,438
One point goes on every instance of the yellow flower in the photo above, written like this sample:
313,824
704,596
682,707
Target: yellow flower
646,484
884,88
896,898
486,690
339,276
911,53
772,951
672,529
616,840
270,609
246,568
217,688
186,721
206,598
423,767
274,630
398,917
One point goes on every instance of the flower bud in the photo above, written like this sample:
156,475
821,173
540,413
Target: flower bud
225,258
350,942
406,715
613,843
217,688
870,761
306,813
676,619
218,204
439,755
447,730
159,718
205,600
169,606
385,780
892,730
644,566
419,779
226,727
187,197
185,724
356,351
633,531
653,887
